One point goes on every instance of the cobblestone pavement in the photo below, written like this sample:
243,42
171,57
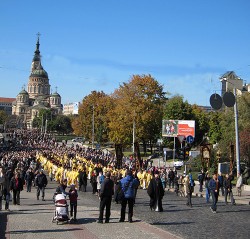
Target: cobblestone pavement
32,219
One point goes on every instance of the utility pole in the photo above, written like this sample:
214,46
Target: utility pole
237,133
93,126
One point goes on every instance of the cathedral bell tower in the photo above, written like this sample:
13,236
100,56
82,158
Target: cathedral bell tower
38,84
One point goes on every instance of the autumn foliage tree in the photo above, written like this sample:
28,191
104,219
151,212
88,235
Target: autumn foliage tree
137,103
93,113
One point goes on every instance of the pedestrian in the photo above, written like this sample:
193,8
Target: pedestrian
16,186
191,181
73,195
201,177
137,183
221,181
156,192
6,190
61,188
41,183
80,180
1,188
239,184
181,186
105,195
171,176
213,185
188,191
228,188
100,178
93,181
128,185
29,176
84,180
207,179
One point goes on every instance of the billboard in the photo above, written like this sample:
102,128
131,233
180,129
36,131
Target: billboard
173,128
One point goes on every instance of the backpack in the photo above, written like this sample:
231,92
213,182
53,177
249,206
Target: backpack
101,179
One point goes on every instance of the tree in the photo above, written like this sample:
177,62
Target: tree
3,117
43,116
93,111
245,146
227,125
201,123
140,103
177,109
62,124
214,122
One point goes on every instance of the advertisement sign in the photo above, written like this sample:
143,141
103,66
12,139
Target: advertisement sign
173,128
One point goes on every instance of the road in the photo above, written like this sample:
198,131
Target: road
178,219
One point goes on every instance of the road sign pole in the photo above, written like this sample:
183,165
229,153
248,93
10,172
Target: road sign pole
174,150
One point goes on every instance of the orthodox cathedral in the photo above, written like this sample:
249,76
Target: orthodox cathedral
28,103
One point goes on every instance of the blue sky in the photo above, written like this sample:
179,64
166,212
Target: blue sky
91,45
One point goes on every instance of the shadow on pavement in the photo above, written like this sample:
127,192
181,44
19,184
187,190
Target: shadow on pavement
172,223
43,231
85,220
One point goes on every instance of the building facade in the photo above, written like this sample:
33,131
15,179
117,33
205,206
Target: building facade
29,102
230,80
71,108
6,105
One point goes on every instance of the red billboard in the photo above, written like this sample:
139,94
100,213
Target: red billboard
173,128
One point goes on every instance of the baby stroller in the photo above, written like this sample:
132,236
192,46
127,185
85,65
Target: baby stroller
61,211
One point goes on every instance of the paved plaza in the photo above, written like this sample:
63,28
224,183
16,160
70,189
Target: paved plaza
33,219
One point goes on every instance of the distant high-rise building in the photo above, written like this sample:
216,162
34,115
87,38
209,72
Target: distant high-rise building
28,103
71,108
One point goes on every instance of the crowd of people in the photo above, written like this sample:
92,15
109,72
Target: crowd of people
28,154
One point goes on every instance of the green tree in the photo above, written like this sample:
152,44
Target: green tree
177,109
62,124
201,123
214,122
3,117
227,125
43,116
245,146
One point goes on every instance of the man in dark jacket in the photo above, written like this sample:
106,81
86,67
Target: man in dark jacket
29,176
156,192
228,188
84,179
41,183
106,193
213,185
16,185
128,185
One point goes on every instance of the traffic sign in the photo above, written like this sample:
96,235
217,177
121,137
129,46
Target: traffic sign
181,138
190,139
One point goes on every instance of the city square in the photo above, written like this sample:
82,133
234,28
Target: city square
124,119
